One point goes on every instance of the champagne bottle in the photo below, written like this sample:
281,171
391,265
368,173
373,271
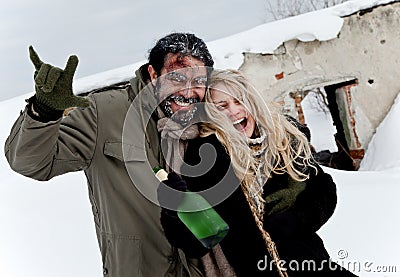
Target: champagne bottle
198,216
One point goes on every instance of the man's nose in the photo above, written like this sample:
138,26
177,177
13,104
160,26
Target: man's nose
188,90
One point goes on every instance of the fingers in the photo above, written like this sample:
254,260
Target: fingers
52,77
175,181
35,58
41,76
70,68
47,77
172,176
272,198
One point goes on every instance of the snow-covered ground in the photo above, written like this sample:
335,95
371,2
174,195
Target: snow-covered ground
363,233
47,227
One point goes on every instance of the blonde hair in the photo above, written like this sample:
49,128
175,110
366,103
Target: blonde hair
287,149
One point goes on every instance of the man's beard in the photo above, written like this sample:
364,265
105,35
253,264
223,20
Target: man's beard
182,117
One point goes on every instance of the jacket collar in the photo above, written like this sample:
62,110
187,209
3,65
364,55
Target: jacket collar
142,87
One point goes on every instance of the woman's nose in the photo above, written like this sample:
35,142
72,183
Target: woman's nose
234,109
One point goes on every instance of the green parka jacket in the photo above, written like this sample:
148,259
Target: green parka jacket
118,172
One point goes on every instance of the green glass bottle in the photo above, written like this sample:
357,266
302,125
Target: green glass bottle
198,216
202,220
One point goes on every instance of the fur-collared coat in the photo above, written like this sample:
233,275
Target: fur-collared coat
293,230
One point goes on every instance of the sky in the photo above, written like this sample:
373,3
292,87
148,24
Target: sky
47,228
106,34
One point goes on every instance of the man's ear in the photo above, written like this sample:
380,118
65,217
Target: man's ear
153,74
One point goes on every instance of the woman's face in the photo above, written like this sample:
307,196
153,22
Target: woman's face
233,108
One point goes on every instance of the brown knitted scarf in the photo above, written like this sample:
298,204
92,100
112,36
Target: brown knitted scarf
174,141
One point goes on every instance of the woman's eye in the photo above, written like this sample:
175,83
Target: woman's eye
221,107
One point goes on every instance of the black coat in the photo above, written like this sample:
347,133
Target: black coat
294,230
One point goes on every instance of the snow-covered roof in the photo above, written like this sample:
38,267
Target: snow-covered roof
227,52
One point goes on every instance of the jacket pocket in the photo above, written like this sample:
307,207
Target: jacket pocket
124,152
123,256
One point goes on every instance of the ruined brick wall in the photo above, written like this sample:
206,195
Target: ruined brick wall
367,50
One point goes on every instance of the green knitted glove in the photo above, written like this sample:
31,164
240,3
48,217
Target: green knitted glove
284,199
54,86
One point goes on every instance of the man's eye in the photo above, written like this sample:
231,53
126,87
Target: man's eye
176,77
200,81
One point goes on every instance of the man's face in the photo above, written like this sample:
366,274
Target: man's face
182,84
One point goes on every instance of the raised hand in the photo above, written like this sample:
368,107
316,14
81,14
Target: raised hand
54,86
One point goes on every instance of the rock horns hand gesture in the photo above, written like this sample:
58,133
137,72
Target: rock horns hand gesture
54,86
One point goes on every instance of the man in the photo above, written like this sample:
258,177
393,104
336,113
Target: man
117,163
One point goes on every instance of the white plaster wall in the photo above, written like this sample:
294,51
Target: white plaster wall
367,48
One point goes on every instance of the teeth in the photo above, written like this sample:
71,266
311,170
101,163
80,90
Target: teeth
182,101
182,104
238,121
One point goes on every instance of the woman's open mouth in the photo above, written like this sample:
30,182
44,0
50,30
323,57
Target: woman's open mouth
240,124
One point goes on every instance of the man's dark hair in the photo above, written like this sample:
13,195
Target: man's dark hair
185,43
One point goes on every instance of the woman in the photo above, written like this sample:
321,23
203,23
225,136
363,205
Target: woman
280,197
